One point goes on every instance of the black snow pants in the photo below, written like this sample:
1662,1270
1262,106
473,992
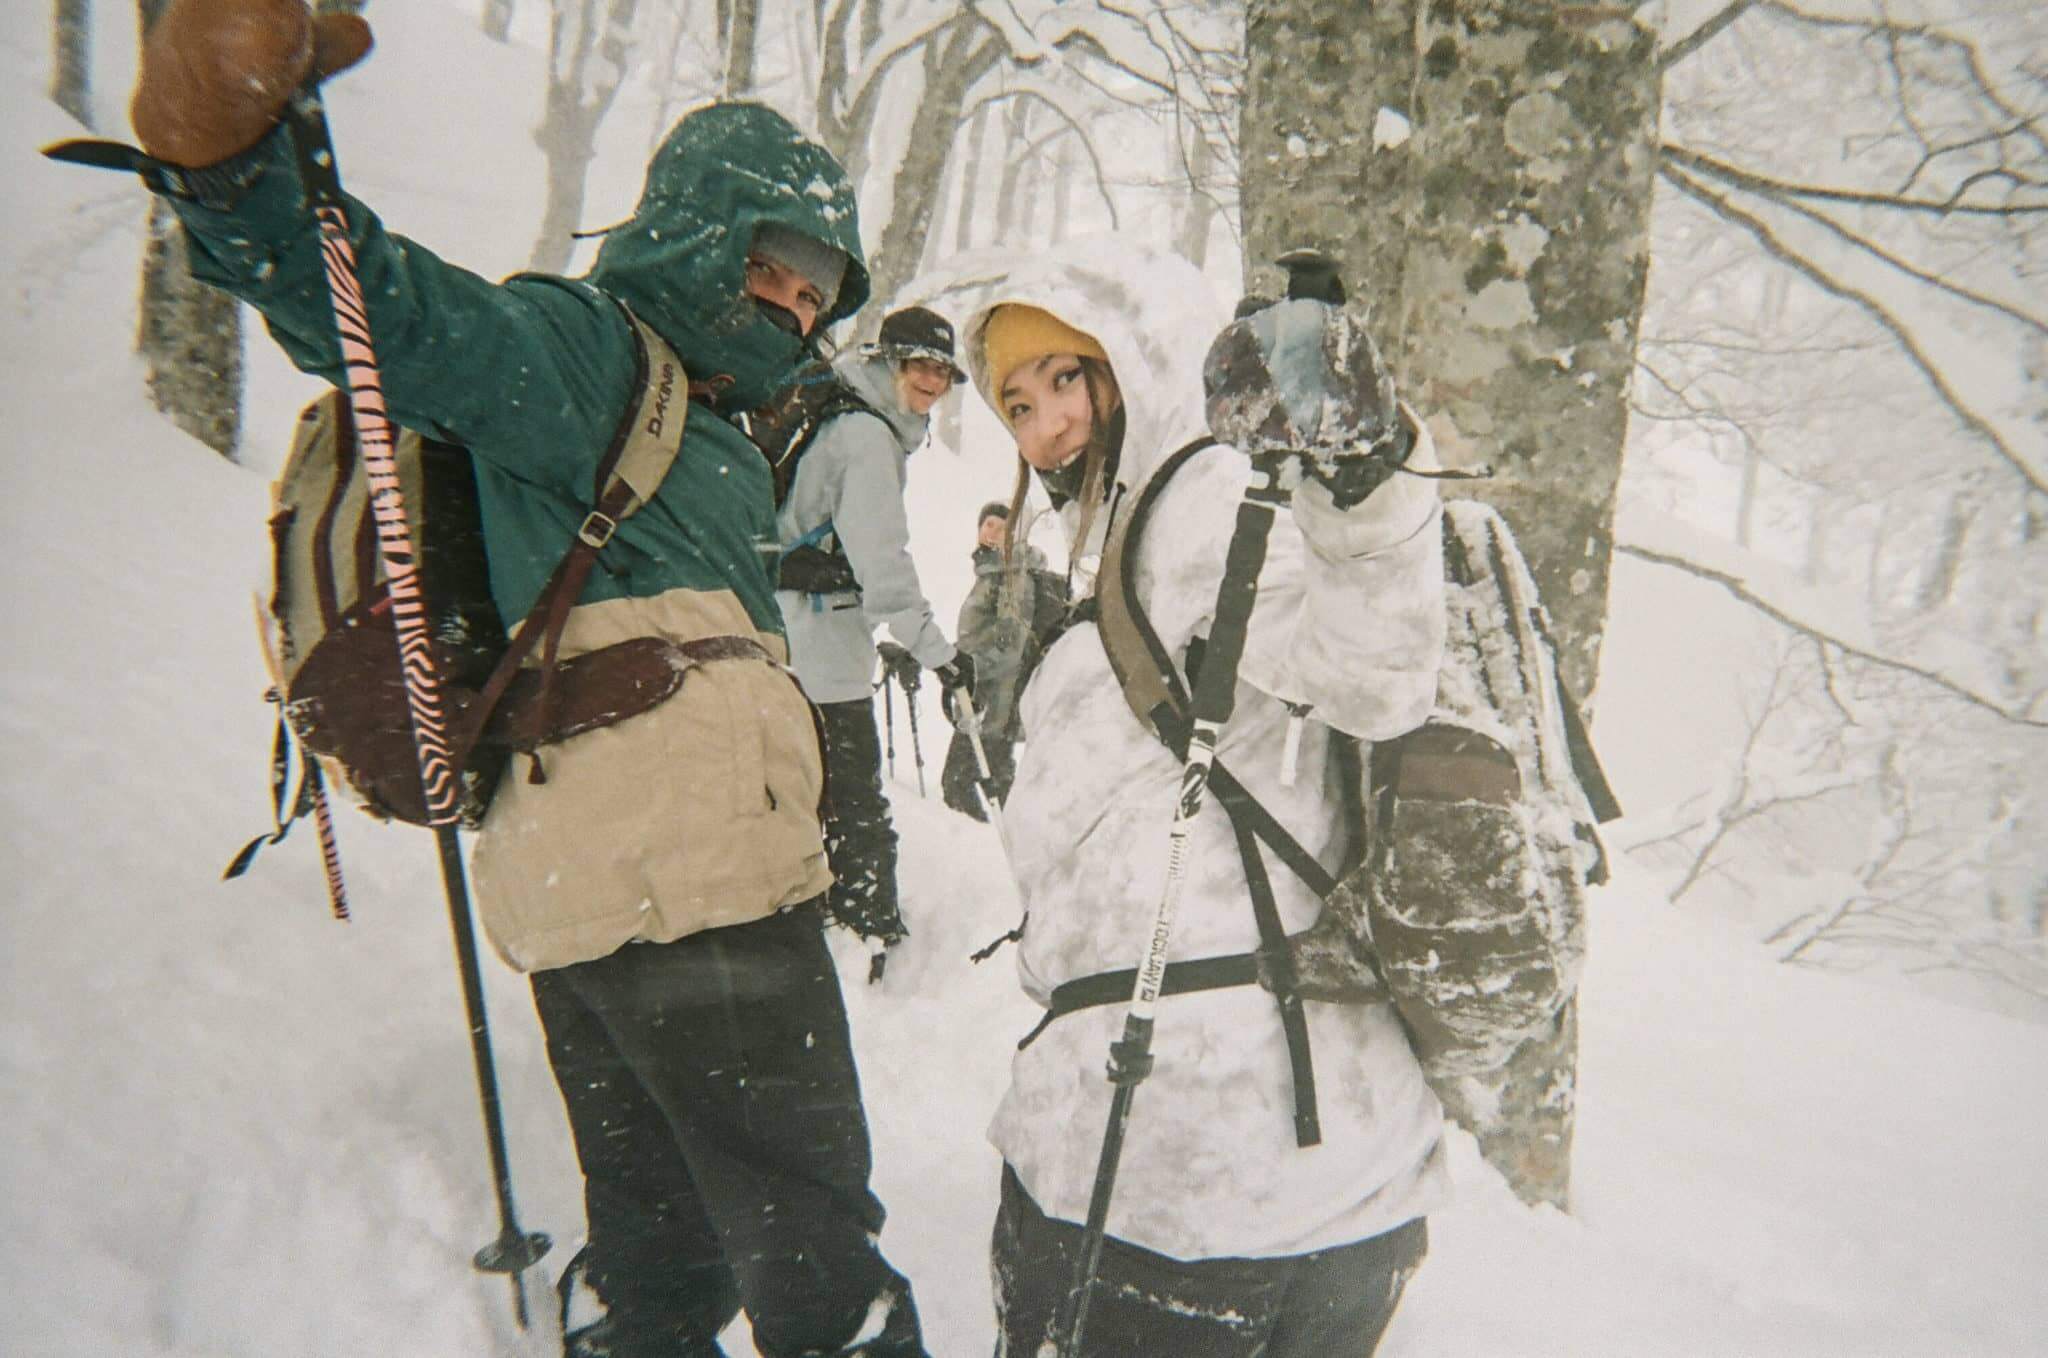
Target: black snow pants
957,780
1333,1303
712,1093
860,840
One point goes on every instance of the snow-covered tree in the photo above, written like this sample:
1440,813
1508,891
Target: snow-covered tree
189,335
590,43
71,59
1483,172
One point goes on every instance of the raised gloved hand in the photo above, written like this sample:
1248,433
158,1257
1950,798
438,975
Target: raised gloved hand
956,682
1302,376
900,665
217,74
1357,472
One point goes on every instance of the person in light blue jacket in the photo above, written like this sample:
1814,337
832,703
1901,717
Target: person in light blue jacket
844,516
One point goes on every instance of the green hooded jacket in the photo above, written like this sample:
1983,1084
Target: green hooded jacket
701,812
533,374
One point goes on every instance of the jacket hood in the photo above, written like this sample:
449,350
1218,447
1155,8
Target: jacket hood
873,379
680,260
1153,314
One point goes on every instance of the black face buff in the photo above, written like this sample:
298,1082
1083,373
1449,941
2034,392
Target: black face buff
781,317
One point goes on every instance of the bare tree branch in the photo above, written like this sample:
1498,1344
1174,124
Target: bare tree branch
1704,34
1766,237
1080,133
1754,600
1781,188
2024,123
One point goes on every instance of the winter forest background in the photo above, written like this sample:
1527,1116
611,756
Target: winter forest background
1766,324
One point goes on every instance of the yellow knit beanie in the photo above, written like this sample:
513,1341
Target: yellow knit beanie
1017,334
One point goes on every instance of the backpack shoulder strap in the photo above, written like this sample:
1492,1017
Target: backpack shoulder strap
1158,696
650,433
643,448
1150,681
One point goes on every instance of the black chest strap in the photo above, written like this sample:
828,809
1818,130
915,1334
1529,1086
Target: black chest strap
1115,987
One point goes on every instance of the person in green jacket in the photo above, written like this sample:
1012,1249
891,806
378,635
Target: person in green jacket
661,884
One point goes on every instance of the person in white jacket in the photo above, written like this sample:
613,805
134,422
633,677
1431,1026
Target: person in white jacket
1226,1236
844,513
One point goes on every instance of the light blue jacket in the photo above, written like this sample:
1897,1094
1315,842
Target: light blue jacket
853,476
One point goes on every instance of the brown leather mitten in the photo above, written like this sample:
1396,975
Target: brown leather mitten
216,74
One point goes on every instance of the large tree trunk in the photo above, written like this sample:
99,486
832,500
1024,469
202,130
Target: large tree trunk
71,64
588,45
1501,248
970,179
740,43
1062,187
189,335
952,63
190,338
1016,129
1199,212
1482,169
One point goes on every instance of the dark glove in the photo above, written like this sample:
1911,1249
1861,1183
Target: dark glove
901,665
956,684
216,74
1303,377
1353,476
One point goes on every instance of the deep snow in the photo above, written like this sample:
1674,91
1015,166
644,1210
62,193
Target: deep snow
236,1127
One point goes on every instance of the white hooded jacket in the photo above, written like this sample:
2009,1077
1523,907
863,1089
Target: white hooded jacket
1349,618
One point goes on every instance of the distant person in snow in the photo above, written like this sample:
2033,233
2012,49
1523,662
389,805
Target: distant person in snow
660,885
1226,1236
846,570
1014,603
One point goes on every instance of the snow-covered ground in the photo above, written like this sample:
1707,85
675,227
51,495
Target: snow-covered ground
235,1127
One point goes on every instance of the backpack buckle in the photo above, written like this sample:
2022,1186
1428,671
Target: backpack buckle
597,529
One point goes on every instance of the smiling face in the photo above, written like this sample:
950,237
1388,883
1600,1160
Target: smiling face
990,533
772,281
920,382
1050,411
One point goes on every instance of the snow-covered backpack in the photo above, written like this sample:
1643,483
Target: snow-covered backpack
330,639
784,429
1479,831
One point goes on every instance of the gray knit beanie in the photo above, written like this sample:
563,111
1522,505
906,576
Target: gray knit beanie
824,265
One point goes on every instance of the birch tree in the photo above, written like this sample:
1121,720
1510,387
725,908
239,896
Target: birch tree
189,335
589,45
71,59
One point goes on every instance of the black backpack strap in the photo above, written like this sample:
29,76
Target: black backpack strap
1114,987
1159,696
644,446
309,800
1278,964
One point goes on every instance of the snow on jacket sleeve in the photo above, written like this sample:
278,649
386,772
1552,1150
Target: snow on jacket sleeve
1368,637
1350,610
531,373
875,534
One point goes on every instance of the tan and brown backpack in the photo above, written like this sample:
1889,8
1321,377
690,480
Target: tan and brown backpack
331,644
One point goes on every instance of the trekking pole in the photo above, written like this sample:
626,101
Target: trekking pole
916,749
984,786
889,723
514,1250
1130,1056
